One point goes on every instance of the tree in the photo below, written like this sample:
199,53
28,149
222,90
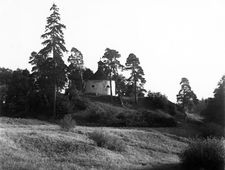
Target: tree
51,71
76,69
5,78
42,71
121,87
112,64
17,95
186,98
136,77
5,75
215,110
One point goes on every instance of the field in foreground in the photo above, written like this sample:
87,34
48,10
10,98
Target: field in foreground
31,144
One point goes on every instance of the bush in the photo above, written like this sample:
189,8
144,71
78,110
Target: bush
214,111
158,119
67,123
102,139
158,100
212,130
207,154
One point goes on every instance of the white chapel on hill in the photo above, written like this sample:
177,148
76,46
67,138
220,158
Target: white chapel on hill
99,83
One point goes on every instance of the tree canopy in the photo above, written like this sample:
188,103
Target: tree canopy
112,64
136,76
76,69
186,98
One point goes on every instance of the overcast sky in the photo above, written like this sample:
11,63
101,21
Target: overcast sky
172,38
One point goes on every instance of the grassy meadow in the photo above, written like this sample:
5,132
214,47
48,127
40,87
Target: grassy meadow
32,144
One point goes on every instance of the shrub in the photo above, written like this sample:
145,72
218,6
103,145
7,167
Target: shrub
207,154
102,139
67,123
63,106
212,130
214,111
158,119
158,100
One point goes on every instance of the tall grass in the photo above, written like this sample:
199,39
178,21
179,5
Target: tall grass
67,123
103,139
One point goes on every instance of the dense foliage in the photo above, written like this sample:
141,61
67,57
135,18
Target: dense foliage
17,93
207,154
215,109
160,101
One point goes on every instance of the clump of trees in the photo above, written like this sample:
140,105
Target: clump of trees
132,86
16,88
53,89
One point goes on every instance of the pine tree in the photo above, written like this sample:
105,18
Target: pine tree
137,73
186,98
48,63
112,64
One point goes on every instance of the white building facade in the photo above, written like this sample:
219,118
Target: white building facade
100,87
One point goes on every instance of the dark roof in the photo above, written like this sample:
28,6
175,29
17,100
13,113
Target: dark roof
99,75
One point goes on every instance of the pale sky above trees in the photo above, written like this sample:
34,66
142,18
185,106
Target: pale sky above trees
172,39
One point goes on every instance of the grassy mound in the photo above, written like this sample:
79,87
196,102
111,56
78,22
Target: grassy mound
109,115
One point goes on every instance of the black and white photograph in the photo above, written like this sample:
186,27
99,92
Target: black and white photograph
112,85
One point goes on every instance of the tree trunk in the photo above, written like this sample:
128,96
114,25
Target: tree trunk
54,102
110,81
135,87
121,100
55,87
82,81
135,91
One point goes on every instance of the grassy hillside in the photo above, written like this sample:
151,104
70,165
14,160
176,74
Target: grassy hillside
106,114
32,144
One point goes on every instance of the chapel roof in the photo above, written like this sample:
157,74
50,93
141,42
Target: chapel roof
99,74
